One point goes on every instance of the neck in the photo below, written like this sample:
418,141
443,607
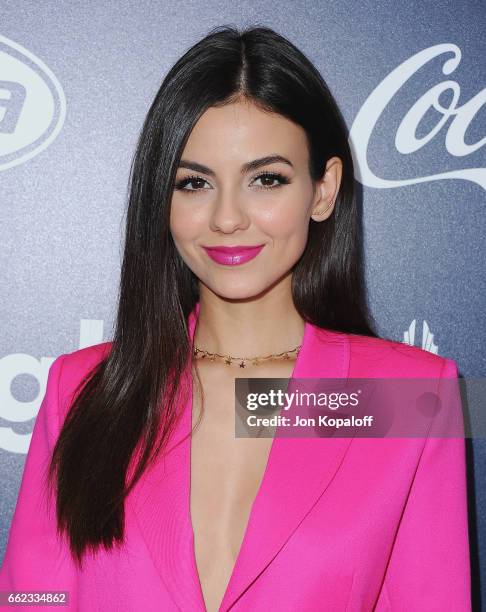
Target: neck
251,328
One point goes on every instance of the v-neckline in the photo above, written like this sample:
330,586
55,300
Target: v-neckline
298,472
192,325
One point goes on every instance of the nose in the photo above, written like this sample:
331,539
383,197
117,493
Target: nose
228,213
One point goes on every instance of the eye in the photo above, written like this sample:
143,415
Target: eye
269,177
195,180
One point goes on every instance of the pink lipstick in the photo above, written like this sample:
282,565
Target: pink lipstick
233,256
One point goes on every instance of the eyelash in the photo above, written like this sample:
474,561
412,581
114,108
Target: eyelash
179,186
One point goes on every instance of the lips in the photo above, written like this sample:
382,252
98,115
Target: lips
233,256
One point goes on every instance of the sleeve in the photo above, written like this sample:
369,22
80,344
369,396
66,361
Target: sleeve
429,566
36,559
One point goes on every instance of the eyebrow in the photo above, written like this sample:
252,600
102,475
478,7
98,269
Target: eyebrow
248,167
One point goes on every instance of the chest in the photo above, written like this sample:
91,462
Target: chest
225,475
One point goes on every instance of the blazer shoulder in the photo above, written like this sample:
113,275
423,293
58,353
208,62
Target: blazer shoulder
77,365
391,358
80,361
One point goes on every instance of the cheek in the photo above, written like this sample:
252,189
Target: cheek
288,220
184,224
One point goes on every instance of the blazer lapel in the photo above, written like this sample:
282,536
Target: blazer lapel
298,472
159,505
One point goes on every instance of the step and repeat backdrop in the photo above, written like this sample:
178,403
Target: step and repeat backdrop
76,80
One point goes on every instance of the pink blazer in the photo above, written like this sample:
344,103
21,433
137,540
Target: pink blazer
338,524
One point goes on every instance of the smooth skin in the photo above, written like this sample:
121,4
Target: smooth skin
245,310
248,309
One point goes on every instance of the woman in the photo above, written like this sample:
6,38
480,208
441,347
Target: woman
241,259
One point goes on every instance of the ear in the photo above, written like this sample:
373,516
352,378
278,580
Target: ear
327,189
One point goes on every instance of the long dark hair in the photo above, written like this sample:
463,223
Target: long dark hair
127,403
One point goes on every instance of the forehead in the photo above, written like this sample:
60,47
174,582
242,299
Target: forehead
242,131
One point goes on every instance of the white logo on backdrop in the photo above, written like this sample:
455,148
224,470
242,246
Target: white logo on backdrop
406,141
32,105
15,411
427,337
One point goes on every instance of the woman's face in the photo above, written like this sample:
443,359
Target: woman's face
220,201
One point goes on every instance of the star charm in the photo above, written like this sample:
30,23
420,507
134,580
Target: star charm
242,364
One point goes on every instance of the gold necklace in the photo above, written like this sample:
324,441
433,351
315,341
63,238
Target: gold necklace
228,359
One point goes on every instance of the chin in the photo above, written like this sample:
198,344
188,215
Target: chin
238,291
